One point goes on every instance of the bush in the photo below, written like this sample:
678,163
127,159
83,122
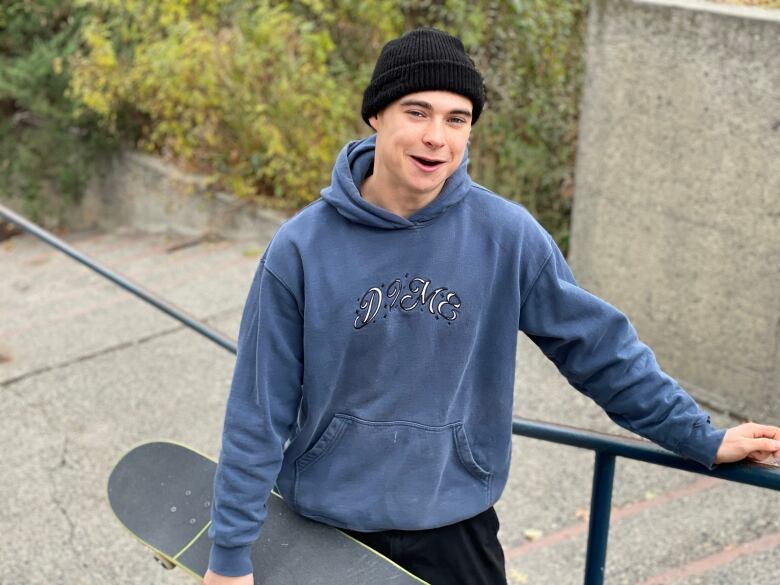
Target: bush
261,96
46,157
531,54
246,93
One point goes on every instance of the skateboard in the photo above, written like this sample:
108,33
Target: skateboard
162,491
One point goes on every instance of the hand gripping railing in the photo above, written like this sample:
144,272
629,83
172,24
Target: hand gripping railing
606,447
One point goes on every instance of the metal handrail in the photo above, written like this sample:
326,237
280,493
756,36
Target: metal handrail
756,474
606,447
123,281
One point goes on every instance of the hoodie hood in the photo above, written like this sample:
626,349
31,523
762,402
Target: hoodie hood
351,168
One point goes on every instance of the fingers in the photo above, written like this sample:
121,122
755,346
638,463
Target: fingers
757,431
769,445
754,441
761,449
763,456
766,431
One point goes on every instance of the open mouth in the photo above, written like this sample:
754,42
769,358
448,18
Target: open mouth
427,163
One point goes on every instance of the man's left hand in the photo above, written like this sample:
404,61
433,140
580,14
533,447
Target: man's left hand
750,440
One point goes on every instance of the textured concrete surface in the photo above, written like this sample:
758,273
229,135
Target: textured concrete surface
142,191
89,371
134,190
677,213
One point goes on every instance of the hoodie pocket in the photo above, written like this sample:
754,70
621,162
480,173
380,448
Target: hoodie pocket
369,475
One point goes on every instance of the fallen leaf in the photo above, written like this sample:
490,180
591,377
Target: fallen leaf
532,534
649,495
582,514
253,252
516,577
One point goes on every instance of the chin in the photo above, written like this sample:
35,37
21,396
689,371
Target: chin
427,187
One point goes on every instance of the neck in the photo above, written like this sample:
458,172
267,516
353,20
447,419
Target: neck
379,191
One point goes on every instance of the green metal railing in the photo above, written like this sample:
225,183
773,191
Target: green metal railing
606,447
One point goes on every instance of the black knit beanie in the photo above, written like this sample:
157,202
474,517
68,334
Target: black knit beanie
425,59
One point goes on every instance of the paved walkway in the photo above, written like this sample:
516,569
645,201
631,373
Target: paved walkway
87,370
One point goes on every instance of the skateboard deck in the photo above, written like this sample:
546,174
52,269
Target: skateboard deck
162,493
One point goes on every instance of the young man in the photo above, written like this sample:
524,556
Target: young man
374,380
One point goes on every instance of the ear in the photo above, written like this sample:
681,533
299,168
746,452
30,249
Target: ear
373,121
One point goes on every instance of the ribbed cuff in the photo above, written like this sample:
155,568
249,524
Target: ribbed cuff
702,444
231,562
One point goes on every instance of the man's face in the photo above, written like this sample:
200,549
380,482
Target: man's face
421,139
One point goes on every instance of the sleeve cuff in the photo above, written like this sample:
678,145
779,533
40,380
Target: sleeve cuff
702,444
231,561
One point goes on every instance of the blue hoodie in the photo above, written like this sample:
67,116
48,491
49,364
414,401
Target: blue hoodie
376,356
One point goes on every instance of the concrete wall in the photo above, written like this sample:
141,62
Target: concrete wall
141,192
677,212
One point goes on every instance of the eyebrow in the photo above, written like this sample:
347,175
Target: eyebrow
429,107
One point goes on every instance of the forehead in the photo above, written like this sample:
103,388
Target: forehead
444,101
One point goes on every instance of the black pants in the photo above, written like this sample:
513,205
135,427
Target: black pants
465,553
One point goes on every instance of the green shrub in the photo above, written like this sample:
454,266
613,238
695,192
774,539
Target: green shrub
45,155
261,96
531,53
243,92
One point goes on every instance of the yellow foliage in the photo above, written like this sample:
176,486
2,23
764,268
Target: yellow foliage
94,80
262,95
250,99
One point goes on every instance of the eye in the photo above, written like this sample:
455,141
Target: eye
415,113
458,120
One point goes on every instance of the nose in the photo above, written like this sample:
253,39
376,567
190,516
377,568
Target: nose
433,137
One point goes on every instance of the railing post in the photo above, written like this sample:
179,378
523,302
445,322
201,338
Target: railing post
598,525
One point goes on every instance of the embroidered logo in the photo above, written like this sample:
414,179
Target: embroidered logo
416,294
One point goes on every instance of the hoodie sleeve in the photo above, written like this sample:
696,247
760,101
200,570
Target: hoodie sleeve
596,348
262,407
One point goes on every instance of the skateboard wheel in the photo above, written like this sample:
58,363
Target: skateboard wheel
165,563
